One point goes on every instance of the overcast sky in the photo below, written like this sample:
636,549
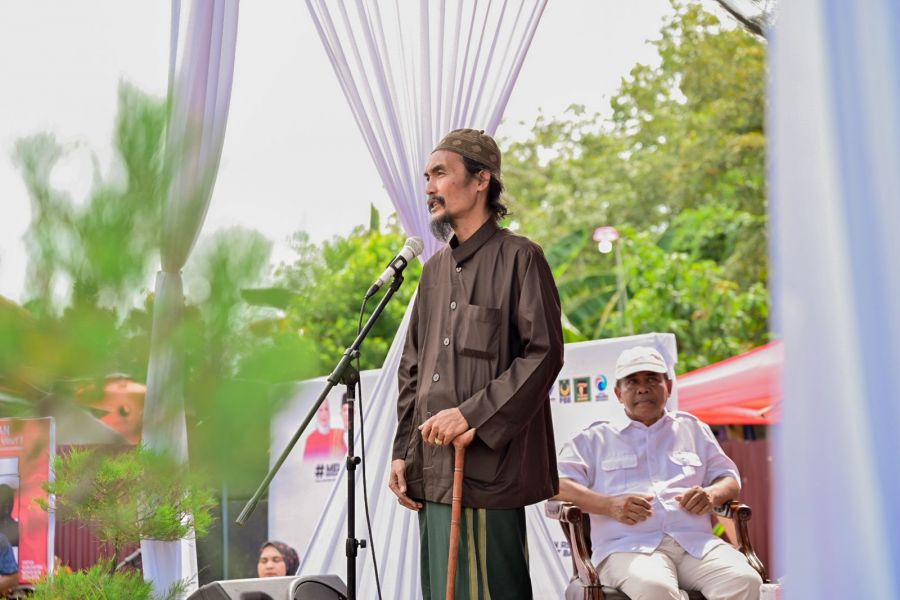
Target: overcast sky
290,135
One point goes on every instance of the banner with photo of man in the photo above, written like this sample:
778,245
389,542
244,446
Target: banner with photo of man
309,473
27,447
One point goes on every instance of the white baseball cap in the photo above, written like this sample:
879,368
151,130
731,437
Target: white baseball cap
640,358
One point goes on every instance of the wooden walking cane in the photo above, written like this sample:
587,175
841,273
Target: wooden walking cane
459,462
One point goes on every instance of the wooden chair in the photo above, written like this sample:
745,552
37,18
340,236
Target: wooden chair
585,583
22,591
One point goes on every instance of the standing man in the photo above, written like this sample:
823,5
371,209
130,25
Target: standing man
484,347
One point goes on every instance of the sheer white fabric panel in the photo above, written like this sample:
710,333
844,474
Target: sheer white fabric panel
411,72
201,67
835,126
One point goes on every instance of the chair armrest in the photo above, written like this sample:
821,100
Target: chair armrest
740,515
570,519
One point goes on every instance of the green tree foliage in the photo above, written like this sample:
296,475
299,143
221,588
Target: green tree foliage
97,583
86,262
330,281
103,247
100,488
679,169
234,366
710,315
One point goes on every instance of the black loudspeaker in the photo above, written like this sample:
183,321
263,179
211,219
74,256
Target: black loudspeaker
317,587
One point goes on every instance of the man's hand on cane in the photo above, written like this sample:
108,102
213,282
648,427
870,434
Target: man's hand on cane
444,427
461,441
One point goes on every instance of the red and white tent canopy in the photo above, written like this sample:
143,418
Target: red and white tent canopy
741,390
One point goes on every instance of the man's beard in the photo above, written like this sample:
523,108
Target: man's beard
442,226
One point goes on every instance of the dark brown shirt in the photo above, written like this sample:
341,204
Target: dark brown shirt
485,335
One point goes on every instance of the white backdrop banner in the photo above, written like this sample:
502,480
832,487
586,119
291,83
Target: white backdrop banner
310,485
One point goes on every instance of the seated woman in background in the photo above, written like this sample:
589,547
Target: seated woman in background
9,567
277,559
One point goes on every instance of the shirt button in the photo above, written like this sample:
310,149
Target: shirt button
458,268
435,377
446,341
453,305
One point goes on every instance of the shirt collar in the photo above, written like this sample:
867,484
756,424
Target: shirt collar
462,252
621,421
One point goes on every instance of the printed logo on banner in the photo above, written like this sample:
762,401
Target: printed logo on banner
565,391
601,383
327,472
583,389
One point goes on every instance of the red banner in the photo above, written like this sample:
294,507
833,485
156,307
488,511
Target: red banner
26,451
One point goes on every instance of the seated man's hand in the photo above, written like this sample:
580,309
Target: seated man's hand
696,501
630,509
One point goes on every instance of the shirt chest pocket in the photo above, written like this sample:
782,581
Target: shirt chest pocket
688,461
618,472
479,333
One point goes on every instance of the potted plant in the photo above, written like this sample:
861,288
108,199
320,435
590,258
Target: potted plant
131,495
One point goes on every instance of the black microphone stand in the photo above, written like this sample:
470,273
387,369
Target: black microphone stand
344,373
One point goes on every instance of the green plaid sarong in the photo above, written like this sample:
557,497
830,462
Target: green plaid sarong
493,553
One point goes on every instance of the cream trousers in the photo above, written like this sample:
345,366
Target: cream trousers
722,574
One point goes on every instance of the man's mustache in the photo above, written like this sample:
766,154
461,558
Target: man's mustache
439,200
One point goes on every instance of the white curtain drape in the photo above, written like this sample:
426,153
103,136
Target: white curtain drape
835,131
201,66
411,72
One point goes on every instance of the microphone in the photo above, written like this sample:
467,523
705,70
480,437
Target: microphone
411,249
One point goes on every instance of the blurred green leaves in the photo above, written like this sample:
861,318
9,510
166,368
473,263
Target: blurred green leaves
97,583
90,303
103,247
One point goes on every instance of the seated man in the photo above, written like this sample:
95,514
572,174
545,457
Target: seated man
649,481
9,569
